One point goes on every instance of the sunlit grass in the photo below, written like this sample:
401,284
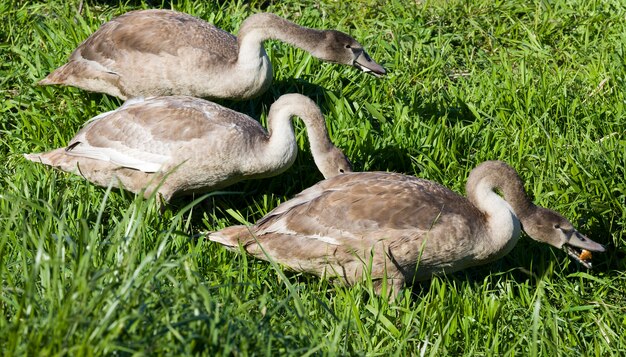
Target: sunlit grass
85,270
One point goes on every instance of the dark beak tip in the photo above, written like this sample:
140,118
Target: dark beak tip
366,64
599,248
377,70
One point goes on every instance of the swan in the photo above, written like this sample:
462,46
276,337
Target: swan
403,228
164,52
180,145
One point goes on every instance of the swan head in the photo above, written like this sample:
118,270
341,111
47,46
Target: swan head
333,163
337,47
550,227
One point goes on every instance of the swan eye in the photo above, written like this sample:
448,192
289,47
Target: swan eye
557,226
348,46
341,171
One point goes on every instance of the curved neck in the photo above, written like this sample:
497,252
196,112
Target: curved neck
280,126
264,26
502,214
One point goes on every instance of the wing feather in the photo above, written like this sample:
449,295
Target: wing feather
156,32
149,135
350,209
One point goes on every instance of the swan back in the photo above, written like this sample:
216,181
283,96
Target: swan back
332,228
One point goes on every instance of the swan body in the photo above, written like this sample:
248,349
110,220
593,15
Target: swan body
401,228
162,52
180,145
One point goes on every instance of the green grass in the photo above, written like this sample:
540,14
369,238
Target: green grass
539,84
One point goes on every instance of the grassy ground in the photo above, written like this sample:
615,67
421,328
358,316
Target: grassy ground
539,84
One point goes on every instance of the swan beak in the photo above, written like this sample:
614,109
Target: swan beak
367,65
579,248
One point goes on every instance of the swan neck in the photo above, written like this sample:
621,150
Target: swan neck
280,125
483,185
265,26
502,213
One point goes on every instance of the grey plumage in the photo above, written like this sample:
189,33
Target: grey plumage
192,145
401,227
163,52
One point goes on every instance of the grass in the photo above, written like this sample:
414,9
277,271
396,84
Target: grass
539,84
